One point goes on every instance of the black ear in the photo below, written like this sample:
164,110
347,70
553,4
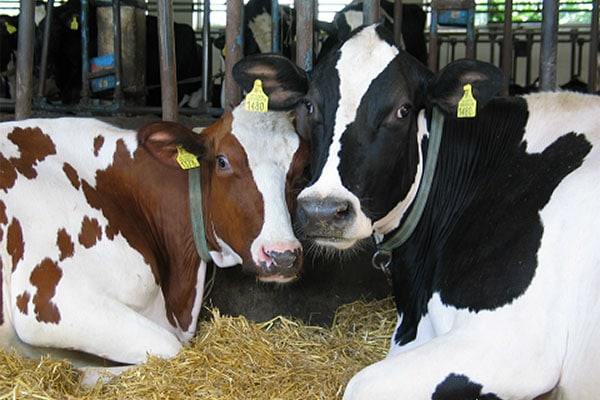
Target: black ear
447,86
282,80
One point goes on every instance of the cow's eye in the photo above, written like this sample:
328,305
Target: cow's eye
310,108
403,111
223,163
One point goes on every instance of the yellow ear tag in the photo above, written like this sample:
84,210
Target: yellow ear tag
10,28
185,159
467,106
74,25
257,100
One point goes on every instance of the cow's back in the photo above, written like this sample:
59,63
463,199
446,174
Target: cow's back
570,243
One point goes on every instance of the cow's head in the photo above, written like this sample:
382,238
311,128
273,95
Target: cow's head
367,115
251,171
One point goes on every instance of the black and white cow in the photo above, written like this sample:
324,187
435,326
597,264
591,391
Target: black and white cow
413,26
490,239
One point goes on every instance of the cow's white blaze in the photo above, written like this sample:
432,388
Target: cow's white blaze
255,132
362,60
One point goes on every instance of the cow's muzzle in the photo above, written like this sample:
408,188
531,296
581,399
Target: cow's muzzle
280,264
324,218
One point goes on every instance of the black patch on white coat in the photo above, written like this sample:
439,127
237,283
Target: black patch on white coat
478,238
459,387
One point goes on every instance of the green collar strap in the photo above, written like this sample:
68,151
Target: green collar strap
197,213
383,256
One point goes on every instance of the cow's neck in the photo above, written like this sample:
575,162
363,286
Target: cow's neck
468,151
147,203
401,235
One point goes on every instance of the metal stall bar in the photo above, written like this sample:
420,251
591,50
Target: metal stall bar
85,59
166,51
548,54
507,44
116,14
450,5
25,60
305,15
234,47
275,43
370,11
45,46
206,52
398,22
593,62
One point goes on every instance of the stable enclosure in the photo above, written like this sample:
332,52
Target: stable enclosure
553,43
256,341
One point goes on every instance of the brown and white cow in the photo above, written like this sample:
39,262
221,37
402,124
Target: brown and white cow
96,240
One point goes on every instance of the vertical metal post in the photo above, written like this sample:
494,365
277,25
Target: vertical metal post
549,45
166,51
116,11
275,42
234,48
451,5
470,51
305,14
24,79
593,62
507,43
85,59
370,11
206,64
433,39
45,45
398,22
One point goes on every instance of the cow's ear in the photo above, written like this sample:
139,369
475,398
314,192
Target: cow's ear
282,80
162,139
447,87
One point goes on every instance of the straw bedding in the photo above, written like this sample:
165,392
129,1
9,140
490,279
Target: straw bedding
230,358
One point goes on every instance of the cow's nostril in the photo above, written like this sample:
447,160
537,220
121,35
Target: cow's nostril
342,210
323,214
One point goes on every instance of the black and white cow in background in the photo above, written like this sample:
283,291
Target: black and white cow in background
413,26
64,54
497,286
9,28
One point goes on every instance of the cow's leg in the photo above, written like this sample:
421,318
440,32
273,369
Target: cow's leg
101,326
478,363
